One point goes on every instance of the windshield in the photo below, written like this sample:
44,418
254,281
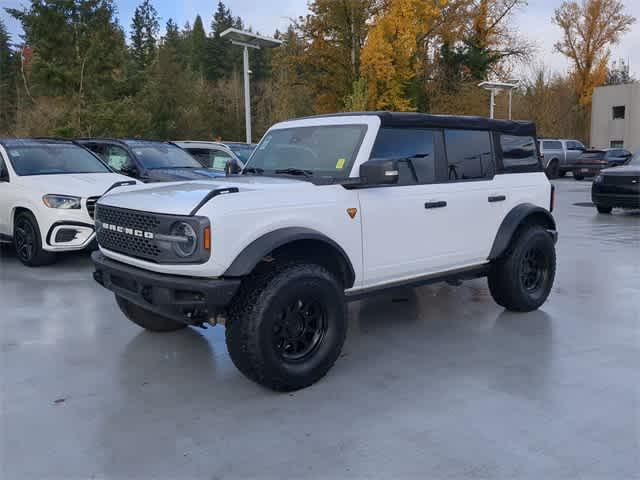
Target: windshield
53,159
327,150
161,156
636,159
243,152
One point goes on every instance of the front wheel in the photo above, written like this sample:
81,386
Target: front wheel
27,241
521,281
147,319
603,209
553,170
286,327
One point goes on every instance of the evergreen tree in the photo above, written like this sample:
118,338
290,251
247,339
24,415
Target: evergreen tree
7,84
172,37
219,59
145,27
198,47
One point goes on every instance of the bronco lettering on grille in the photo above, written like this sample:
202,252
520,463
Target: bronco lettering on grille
127,231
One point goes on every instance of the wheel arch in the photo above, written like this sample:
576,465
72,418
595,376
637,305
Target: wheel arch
17,210
523,214
292,243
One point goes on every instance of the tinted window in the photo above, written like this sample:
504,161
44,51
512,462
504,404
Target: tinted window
619,112
210,158
116,157
469,154
243,152
573,145
52,159
518,151
551,145
404,143
616,143
322,150
164,156
3,170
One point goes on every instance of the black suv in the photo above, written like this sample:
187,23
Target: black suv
148,161
617,187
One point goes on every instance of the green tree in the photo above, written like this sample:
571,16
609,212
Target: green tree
198,47
220,56
7,82
145,27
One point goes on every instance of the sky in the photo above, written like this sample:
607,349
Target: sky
264,16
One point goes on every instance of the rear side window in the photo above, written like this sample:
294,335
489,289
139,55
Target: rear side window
3,169
551,145
518,152
404,143
469,154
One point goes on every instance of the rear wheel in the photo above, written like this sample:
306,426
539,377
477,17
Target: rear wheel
147,319
603,209
553,169
286,327
521,281
562,173
27,241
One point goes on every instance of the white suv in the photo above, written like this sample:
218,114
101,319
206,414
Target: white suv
330,209
48,190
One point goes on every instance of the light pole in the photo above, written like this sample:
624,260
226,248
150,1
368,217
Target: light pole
495,88
248,40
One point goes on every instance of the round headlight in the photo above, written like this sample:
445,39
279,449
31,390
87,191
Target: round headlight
187,243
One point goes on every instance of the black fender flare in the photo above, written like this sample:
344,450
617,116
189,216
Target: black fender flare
253,254
516,217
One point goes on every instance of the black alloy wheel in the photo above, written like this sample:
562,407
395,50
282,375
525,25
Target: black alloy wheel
299,329
24,236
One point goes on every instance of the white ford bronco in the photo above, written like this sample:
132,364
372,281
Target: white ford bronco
330,209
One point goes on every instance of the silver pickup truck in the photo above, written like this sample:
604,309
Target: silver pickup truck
559,155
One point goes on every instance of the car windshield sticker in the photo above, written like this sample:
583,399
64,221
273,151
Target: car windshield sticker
15,153
340,163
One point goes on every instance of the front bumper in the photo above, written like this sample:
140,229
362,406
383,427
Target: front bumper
616,200
587,170
191,300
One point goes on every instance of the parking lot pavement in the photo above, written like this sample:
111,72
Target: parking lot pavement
435,383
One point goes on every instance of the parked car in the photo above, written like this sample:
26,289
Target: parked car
591,162
331,209
216,155
617,187
48,192
559,155
148,161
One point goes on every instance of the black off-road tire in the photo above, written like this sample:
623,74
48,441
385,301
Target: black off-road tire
27,241
146,319
264,303
553,169
511,278
562,173
603,209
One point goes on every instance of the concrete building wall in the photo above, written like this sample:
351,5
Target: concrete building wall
604,128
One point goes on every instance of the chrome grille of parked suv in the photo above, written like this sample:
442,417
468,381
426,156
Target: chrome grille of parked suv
91,206
128,232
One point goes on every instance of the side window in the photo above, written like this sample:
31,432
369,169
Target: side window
116,157
551,145
469,154
4,173
518,152
218,159
405,143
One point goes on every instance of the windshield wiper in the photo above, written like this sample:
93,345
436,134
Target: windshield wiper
256,170
295,171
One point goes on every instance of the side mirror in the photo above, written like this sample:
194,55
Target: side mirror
379,172
231,168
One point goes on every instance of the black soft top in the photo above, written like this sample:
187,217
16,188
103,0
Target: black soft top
424,120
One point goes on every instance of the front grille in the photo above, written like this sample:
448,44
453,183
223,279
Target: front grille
132,239
91,206
621,180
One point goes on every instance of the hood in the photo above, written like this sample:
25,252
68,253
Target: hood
181,198
177,174
76,184
622,171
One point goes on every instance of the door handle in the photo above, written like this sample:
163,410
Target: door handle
429,205
497,198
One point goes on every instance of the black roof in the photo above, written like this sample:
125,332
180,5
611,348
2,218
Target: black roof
424,120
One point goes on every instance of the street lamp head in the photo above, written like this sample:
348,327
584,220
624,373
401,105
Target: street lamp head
249,39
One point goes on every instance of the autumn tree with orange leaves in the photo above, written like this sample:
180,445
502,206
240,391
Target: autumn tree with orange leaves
590,28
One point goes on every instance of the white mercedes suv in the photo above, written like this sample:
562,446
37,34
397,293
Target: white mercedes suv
330,209
48,191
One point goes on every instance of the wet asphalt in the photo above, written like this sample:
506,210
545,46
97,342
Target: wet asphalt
434,383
